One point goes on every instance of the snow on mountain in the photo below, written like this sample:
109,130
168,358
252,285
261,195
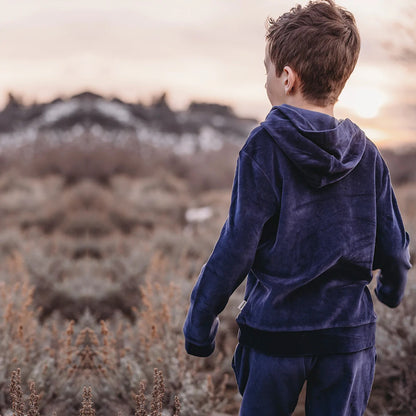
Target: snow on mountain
202,126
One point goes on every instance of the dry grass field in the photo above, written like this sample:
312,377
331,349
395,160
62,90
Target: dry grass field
98,256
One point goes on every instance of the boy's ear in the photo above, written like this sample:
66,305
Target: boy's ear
290,80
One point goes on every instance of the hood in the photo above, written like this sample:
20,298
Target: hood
324,149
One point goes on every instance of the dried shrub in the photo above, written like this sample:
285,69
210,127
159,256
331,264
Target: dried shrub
100,161
33,400
95,278
87,408
16,394
395,379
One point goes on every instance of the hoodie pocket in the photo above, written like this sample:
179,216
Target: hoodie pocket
240,366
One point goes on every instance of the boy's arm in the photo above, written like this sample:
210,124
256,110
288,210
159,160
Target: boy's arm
253,202
392,246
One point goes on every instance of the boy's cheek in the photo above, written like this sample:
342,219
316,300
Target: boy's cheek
269,91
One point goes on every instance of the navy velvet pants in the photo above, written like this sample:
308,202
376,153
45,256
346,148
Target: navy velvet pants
337,385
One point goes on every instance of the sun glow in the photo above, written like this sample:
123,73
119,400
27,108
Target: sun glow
365,101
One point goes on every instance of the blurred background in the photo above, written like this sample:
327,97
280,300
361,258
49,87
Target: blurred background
210,51
120,126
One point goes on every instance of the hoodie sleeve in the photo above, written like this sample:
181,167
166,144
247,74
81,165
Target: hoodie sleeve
392,246
253,202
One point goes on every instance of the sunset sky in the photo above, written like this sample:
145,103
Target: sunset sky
208,50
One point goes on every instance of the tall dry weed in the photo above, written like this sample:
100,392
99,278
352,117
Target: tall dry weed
87,408
87,405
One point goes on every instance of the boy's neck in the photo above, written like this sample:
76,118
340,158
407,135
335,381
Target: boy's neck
297,100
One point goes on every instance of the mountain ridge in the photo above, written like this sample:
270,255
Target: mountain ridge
202,126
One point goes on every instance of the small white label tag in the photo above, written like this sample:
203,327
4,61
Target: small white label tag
242,304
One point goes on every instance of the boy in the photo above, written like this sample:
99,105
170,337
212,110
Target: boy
312,214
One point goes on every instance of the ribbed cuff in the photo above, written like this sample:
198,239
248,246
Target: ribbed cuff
199,350
391,301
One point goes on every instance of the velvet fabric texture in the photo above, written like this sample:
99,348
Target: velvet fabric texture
337,384
312,213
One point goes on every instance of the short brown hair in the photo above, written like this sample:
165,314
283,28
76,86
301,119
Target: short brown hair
321,43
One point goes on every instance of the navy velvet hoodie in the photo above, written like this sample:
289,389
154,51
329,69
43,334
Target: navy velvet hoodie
312,213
